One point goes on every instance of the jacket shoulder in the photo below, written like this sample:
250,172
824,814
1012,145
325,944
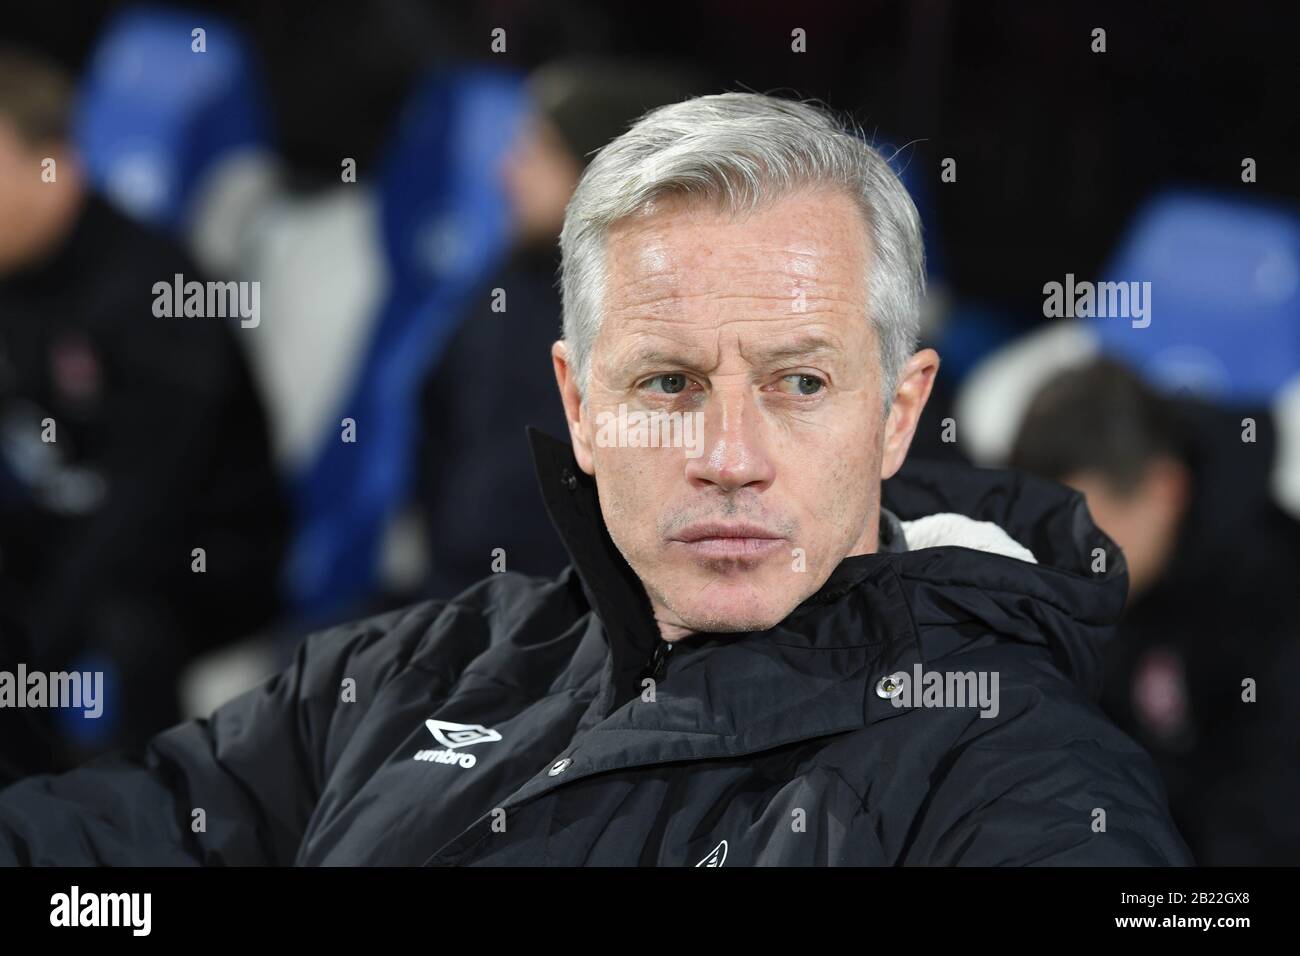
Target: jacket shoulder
1046,779
1031,773
442,636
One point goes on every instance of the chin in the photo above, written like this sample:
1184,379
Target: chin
729,606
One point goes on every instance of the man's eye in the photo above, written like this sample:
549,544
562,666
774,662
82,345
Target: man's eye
802,384
669,384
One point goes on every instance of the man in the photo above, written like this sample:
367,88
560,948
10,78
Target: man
1208,554
732,670
127,441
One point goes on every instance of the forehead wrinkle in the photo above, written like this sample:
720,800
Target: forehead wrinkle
661,260
651,347
679,307
810,343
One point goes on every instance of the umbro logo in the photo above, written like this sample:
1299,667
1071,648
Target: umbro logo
460,735
454,736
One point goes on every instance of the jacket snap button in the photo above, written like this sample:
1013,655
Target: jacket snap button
568,479
559,767
892,685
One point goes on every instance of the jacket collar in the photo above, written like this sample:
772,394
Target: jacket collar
611,587
617,595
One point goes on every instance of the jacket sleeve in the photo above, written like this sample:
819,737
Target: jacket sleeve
1055,785
237,788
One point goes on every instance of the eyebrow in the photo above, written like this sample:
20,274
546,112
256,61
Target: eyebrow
805,346
660,357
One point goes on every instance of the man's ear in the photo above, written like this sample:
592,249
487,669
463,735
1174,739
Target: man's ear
914,385
573,410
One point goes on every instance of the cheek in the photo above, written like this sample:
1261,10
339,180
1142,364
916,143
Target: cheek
834,477
633,483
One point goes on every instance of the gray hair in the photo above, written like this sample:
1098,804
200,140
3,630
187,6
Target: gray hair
742,149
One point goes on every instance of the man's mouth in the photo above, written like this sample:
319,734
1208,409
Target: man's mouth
719,539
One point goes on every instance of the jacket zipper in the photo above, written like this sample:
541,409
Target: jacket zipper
659,661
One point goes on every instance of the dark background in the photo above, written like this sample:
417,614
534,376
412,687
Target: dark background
1056,145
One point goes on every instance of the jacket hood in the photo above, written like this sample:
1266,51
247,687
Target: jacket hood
992,556
1067,598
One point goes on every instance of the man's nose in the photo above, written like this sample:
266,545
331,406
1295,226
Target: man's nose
735,447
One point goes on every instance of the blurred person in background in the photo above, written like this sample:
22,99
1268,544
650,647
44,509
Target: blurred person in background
477,491
1212,566
126,441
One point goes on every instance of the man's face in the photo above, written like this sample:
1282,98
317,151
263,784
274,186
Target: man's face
758,329
1144,520
35,213
19,178
539,175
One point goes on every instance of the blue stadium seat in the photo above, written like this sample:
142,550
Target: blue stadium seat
1225,297
446,228
154,116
